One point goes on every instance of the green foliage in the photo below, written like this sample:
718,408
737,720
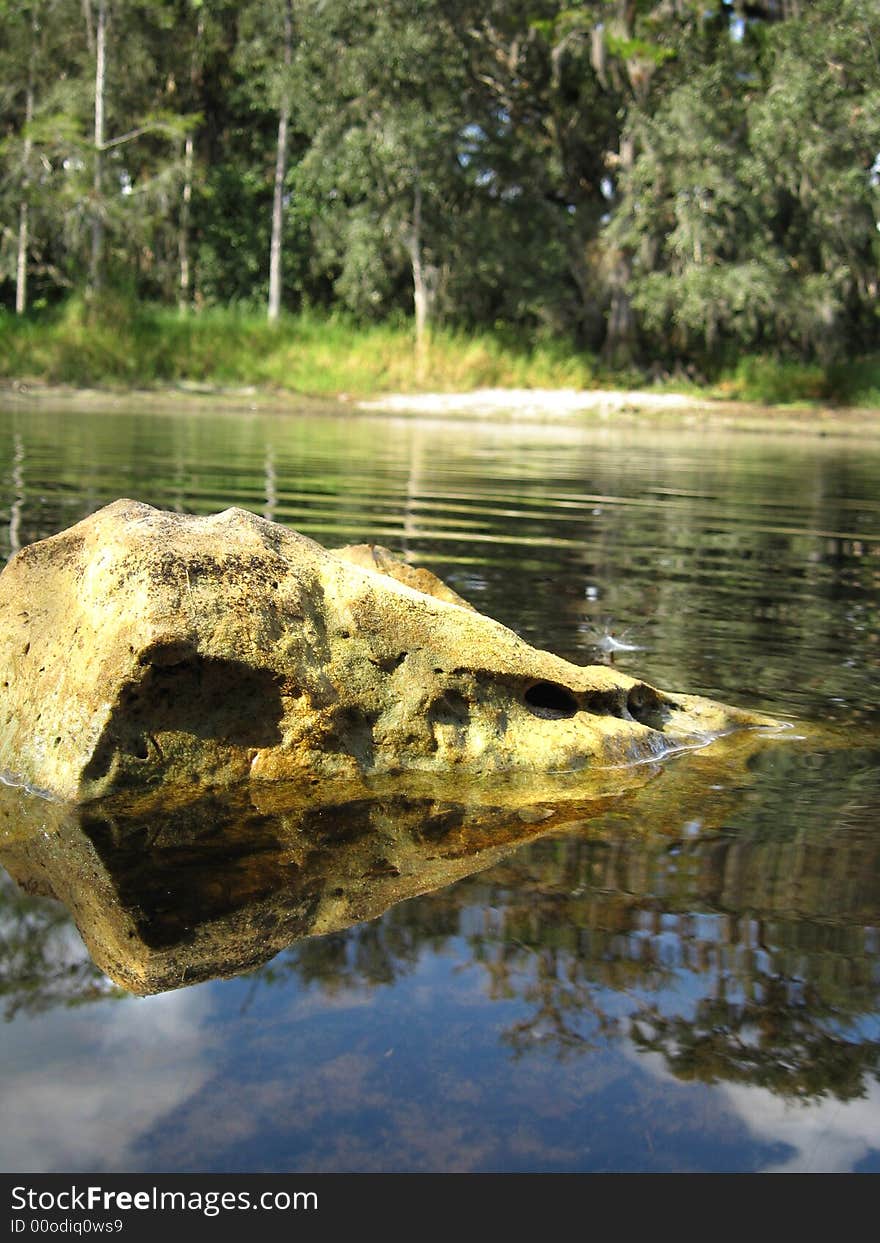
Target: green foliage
122,341
769,380
629,49
751,209
857,381
661,183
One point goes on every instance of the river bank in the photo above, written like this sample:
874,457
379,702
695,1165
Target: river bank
497,405
238,356
626,406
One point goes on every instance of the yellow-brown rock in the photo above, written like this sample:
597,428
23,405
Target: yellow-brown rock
141,649
376,557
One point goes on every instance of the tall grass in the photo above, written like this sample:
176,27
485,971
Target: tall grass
126,344
857,383
308,353
775,381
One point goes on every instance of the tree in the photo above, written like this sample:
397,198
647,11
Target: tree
41,963
99,42
388,156
631,51
542,130
280,168
24,206
751,205
35,134
184,295
244,211
662,180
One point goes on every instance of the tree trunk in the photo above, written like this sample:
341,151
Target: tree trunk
420,297
620,337
21,270
277,220
184,293
274,309
97,255
90,29
423,286
619,349
21,260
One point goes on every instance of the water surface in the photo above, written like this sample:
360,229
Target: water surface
688,981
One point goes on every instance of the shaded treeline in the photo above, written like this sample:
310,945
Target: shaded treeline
662,180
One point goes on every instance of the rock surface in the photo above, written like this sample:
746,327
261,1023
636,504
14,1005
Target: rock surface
383,561
141,649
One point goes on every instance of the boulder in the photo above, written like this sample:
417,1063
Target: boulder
142,649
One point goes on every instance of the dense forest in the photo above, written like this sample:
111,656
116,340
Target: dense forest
679,182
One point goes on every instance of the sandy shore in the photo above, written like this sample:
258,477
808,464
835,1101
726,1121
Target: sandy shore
533,403
627,407
561,406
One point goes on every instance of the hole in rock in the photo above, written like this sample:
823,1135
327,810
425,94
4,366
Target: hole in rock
606,703
139,750
646,707
552,702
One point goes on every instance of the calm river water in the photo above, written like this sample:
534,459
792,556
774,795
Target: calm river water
690,981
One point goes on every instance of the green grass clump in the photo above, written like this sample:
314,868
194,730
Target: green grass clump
857,383
775,382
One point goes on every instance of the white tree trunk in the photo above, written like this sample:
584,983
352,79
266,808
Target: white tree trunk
184,297
96,264
420,293
275,247
277,219
424,282
21,259
21,269
422,307
184,294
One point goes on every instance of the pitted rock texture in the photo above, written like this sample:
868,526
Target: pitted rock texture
376,557
142,648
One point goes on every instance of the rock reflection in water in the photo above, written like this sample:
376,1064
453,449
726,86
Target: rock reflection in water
165,898
706,917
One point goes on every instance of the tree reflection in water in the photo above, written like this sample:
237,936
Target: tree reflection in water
742,954
42,961
786,1041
